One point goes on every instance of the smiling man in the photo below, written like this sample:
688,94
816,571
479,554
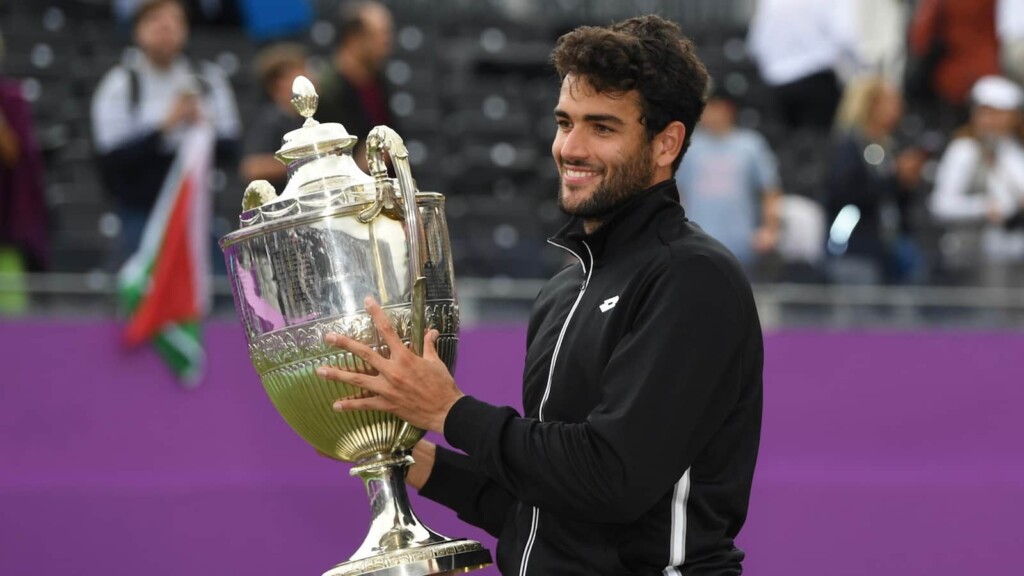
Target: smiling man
642,384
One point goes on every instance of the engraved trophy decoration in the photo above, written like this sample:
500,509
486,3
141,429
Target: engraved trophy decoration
300,266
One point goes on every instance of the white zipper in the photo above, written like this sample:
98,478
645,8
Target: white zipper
547,390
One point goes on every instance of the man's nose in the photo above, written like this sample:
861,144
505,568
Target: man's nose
574,145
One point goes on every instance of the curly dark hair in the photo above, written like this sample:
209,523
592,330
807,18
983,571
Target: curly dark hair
351,22
648,54
146,6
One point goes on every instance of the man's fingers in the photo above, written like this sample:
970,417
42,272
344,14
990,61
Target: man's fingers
371,403
383,324
362,351
360,394
364,381
430,345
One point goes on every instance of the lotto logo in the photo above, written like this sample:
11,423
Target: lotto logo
609,304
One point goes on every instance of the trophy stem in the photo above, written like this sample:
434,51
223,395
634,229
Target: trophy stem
393,524
398,544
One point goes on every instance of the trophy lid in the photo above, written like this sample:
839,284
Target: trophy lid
321,171
313,138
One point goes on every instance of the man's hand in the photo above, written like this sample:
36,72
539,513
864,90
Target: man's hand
420,391
765,239
10,145
424,453
184,111
995,214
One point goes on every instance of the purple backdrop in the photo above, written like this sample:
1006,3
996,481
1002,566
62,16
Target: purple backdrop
882,454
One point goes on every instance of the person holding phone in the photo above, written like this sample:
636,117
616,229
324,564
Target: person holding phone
143,107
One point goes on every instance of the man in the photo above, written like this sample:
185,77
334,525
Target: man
354,92
642,384
276,67
729,182
958,41
24,219
798,44
143,108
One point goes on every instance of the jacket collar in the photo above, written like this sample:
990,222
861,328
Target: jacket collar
629,222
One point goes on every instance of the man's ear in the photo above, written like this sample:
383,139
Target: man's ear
668,143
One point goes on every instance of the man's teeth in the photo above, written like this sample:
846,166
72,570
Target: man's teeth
578,173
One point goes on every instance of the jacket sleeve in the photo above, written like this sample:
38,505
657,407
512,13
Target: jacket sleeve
221,108
456,484
951,200
113,125
668,386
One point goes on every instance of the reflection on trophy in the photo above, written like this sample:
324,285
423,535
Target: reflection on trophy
300,266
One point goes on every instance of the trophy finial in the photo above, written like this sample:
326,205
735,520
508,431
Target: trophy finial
258,193
304,98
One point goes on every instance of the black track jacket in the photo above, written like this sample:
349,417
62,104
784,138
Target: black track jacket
642,393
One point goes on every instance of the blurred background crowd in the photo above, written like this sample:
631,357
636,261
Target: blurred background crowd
862,153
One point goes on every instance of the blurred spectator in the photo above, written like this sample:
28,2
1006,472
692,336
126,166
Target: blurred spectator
24,226
979,190
869,189
142,108
798,44
216,12
276,67
1010,28
729,183
354,92
954,42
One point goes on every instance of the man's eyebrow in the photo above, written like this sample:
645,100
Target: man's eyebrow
603,119
593,118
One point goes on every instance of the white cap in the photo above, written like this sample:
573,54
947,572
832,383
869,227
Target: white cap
997,92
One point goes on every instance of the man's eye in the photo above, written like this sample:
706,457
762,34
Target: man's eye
602,129
563,124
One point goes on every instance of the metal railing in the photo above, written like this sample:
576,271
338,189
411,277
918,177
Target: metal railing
508,300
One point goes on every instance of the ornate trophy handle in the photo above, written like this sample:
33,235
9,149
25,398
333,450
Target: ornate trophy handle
383,139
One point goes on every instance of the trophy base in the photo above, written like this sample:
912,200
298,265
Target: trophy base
449,557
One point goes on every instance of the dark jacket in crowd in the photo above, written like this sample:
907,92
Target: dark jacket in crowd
24,216
873,187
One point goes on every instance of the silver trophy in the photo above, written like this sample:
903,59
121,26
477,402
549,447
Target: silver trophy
300,266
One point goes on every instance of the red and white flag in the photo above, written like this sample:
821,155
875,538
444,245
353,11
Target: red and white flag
165,285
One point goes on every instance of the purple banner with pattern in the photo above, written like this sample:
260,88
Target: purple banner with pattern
882,453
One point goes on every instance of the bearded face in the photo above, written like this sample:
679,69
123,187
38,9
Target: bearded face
601,150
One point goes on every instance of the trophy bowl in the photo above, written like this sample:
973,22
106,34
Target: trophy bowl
300,267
